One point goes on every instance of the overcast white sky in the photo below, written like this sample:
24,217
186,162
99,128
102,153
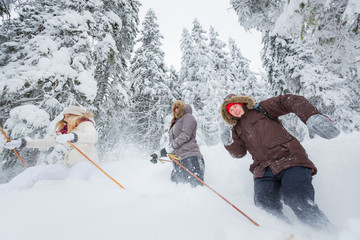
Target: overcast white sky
174,16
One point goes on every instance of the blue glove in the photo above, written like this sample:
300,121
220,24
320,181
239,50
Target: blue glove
322,126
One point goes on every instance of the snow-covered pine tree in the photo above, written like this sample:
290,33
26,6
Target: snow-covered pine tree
313,54
115,39
243,80
333,29
174,82
199,86
150,94
224,80
222,65
259,15
48,55
45,59
187,65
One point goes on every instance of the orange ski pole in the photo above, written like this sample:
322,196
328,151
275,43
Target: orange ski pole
95,164
174,157
3,132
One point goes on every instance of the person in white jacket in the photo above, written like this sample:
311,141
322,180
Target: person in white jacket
77,128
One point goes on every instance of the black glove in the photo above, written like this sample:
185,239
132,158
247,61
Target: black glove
322,126
154,158
163,153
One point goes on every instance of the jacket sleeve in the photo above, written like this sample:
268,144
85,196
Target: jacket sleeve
188,128
40,143
86,133
284,104
237,149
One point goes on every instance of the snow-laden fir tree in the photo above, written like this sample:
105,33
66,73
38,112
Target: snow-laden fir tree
115,39
224,79
311,49
260,15
222,64
175,85
243,80
150,94
199,83
50,58
45,60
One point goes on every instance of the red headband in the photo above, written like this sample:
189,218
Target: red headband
230,105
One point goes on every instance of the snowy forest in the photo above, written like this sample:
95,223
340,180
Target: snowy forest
99,55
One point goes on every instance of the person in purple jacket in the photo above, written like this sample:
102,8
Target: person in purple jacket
182,142
281,167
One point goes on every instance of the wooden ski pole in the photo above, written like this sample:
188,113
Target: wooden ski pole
3,132
95,164
175,158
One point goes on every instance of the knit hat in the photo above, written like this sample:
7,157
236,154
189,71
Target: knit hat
232,104
74,110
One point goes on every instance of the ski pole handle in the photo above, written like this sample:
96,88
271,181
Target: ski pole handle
6,137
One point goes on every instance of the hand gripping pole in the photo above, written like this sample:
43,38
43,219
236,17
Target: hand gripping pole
3,132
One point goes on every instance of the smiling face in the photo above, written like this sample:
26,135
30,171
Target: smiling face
236,110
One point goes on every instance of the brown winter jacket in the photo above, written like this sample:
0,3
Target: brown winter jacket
265,139
182,133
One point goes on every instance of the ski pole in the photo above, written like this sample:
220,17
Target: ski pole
176,158
95,164
3,132
163,160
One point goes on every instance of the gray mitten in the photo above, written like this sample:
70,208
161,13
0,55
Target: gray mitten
226,135
322,126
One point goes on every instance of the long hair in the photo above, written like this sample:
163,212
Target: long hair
73,121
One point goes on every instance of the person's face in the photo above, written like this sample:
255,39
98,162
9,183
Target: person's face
176,110
236,110
66,117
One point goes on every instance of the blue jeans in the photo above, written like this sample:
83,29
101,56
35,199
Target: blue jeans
292,186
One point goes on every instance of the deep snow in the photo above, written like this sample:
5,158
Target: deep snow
152,207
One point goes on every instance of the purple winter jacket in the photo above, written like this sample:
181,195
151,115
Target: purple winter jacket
182,133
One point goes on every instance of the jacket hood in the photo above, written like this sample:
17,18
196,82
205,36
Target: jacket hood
232,98
182,110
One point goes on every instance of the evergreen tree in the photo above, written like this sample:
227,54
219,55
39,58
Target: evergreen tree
243,80
222,63
199,86
60,53
44,59
260,15
175,86
151,96
115,38
313,54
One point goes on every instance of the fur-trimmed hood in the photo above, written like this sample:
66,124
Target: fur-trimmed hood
232,98
182,110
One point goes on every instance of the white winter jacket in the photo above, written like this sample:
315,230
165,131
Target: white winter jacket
87,136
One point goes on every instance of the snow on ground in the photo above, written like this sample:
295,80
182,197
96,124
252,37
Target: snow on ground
154,208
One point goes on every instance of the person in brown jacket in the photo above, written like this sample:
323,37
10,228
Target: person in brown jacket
281,167
182,142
